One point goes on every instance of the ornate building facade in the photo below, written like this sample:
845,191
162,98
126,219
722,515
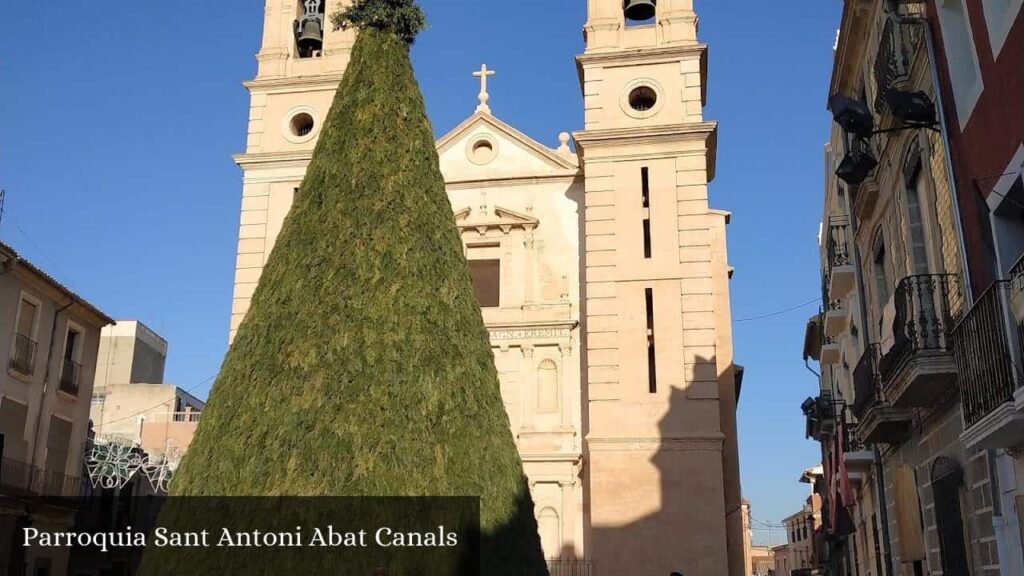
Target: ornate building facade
921,435
601,273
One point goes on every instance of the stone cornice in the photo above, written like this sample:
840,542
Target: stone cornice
693,131
501,218
567,457
508,334
853,33
630,138
566,324
631,56
504,182
273,159
291,84
689,443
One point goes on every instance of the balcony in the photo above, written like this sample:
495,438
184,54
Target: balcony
70,376
15,478
898,44
56,485
562,567
830,351
920,368
820,414
23,355
878,422
857,455
985,343
835,312
841,275
20,480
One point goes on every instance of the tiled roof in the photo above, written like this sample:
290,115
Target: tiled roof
11,253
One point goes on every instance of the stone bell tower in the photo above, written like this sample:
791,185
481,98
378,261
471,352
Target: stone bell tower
301,62
661,389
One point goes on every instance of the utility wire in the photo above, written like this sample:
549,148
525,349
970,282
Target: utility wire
779,312
37,247
141,412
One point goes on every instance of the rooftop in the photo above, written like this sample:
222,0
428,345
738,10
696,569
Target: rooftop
10,259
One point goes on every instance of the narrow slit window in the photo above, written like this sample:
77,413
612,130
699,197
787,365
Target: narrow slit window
646,209
652,372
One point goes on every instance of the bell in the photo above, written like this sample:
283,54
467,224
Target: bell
309,34
639,10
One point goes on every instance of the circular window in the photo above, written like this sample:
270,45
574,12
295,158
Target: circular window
643,98
301,124
482,150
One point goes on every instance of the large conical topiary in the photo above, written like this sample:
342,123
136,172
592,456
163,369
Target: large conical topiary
363,367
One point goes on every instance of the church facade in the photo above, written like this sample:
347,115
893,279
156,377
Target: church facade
601,272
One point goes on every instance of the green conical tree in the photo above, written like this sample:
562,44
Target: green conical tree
363,367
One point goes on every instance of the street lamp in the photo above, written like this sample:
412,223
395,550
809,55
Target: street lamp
856,165
913,109
852,115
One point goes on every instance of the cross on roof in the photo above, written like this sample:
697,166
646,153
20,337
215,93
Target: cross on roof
482,74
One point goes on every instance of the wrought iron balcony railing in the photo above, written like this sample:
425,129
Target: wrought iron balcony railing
983,354
826,405
70,376
924,318
838,242
897,46
23,355
51,484
563,567
867,383
15,478
830,304
19,479
851,441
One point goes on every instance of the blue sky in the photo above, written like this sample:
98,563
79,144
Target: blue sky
117,128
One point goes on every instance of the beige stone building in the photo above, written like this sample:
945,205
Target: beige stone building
762,561
131,402
48,346
911,490
601,272
804,551
759,559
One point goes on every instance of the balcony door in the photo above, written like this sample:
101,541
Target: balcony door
917,231
947,485
927,297
1008,228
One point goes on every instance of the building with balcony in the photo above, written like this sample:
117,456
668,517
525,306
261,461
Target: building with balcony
911,353
49,338
130,400
979,49
804,553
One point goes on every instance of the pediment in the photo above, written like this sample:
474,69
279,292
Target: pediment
485,148
498,218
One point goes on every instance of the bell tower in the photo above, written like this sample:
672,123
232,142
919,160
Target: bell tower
300,64
663,474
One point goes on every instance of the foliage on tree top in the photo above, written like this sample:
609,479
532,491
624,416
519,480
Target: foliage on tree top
402,17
